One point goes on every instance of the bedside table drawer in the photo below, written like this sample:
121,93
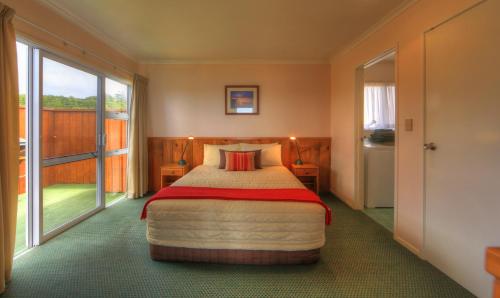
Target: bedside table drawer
172,172
306,172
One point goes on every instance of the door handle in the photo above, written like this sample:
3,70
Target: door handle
430,146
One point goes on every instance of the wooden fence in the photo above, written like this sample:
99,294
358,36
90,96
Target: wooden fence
70,132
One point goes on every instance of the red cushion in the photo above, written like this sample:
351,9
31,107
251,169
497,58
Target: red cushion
222,163
240,161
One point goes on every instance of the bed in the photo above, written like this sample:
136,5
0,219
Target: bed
236,231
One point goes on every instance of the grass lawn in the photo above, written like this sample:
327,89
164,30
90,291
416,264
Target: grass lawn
61,203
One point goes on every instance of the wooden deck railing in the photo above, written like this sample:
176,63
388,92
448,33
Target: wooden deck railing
493,267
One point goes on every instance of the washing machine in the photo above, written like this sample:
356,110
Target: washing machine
379,174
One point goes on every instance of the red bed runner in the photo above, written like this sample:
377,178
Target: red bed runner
285,194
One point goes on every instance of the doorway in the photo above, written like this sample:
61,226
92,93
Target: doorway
376,124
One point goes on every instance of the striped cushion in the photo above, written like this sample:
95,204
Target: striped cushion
222,164
240,161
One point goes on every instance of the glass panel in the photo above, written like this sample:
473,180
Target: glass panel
116,96
69,110
116,167
69,190
22,67
116,134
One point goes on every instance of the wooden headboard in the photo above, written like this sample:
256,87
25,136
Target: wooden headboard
163,150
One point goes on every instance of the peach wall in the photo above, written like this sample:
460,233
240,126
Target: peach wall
382,72
40,15
189,100
405,33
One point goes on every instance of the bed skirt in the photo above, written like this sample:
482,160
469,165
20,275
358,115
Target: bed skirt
233,256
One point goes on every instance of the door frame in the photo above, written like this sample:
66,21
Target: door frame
359,160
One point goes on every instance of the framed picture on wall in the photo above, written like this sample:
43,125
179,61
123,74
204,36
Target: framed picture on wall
242,100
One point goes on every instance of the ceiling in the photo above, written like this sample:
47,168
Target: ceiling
218,30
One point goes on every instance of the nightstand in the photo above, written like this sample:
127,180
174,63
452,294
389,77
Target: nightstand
171,172
308,174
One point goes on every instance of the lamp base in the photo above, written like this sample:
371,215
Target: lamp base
182,162
299,162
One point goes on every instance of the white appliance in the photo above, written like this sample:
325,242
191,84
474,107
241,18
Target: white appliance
379,175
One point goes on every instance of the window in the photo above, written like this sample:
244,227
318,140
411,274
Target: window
379,106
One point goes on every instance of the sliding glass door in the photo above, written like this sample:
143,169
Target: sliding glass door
68,107
73,143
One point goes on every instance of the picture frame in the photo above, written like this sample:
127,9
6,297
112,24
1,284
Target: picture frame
242,100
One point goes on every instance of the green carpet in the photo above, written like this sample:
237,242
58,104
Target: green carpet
61,203
383,216
107,256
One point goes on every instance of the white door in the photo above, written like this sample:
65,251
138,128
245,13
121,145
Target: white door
462,205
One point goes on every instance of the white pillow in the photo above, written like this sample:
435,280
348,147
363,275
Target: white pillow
211,154
271,153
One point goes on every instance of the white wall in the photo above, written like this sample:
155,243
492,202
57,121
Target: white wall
189,100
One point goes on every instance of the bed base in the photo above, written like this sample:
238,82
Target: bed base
233,256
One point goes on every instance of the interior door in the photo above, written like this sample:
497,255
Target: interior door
462,167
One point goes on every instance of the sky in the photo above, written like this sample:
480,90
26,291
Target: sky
60,79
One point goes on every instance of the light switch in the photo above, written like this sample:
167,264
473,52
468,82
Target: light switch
408,124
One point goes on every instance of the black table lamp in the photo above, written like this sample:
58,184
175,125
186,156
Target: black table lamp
299,160
182,161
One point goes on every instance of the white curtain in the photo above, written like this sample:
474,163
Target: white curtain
380,106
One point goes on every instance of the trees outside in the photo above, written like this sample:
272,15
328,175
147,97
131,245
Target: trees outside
113,103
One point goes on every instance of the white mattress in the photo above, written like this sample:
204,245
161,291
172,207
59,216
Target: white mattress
225,224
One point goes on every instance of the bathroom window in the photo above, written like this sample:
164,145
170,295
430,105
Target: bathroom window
379,107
